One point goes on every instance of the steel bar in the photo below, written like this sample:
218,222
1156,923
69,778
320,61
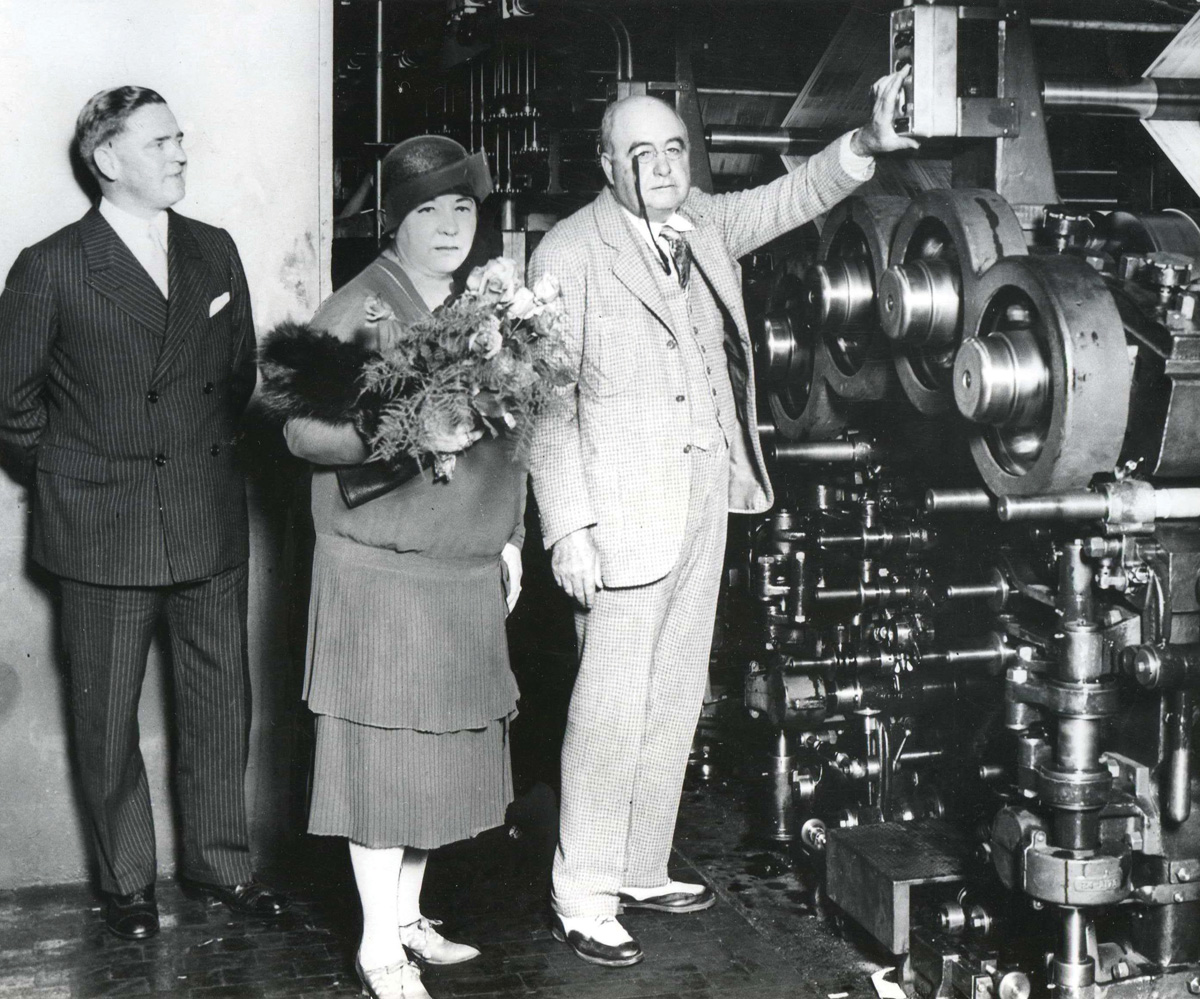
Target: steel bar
958,501
1131,27
753,139
1169,99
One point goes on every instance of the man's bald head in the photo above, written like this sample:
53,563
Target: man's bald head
648,130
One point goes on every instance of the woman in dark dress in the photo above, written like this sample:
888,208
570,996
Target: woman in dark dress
407,667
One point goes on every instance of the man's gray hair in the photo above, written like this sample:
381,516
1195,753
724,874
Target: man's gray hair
104,116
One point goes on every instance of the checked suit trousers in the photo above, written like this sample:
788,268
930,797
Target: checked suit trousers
644,654
106,635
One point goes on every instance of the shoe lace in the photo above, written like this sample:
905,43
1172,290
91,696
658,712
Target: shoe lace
424,928
395,981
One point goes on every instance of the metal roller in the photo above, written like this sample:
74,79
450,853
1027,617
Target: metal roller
791,368
855,242
928,297
1046,372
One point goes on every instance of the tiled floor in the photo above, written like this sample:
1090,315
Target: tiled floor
762,939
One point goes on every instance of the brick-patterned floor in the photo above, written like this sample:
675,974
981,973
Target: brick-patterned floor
762,939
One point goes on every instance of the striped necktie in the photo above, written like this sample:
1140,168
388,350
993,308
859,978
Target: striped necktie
681,253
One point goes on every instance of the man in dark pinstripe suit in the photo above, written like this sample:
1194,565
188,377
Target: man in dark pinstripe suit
127,350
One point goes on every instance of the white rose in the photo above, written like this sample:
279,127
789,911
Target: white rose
523,304
546,288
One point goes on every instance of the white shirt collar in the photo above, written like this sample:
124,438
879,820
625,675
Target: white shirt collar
676,222
132,227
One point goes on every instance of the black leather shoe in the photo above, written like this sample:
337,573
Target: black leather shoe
594,952
251,898
675,901
133,916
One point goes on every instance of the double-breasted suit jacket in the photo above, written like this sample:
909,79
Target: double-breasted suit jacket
615,457
127,405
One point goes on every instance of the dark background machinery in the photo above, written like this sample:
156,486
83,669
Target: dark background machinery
967,639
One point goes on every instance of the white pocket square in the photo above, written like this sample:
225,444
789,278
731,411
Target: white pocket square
217,304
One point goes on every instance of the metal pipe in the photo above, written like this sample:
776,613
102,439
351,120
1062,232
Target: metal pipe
790,95
975,591
378,119
957,501
1131,27
1177,766
1074,937
1172,503
816,452
754,139
865,596
1076,602
1162,98
1062,506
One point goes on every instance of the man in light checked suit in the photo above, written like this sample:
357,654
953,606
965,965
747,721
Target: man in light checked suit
127,350
634,481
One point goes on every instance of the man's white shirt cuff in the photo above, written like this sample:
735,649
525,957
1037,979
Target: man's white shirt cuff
859,167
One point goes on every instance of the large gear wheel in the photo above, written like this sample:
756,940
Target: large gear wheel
928,297
1046,372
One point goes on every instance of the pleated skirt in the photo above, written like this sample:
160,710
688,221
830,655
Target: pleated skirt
408,676
382,787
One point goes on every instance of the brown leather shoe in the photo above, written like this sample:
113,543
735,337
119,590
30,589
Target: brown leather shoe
133,916
250,898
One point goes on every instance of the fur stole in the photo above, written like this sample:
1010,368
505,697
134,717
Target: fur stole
308,372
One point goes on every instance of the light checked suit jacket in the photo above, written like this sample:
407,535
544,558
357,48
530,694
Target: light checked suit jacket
614,457
127,404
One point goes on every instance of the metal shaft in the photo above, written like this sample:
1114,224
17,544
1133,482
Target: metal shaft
1163,99
820,452
957,501
751,139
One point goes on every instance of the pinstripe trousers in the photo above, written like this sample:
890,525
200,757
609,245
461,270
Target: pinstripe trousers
106,635
644,653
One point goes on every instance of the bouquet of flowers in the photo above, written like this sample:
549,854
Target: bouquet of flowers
492,357
491,360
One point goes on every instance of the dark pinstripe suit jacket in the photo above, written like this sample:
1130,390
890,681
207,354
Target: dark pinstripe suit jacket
127,405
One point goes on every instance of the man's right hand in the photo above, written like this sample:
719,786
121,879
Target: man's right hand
575,562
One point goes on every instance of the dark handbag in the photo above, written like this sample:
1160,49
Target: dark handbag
360,484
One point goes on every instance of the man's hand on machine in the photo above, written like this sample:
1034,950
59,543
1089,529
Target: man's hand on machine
879,134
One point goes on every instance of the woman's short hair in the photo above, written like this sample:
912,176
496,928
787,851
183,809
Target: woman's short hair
104,116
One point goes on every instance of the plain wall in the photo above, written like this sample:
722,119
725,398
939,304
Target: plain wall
250,82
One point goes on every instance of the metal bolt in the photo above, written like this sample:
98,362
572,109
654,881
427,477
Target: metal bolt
1194,985
1178,896
1183,875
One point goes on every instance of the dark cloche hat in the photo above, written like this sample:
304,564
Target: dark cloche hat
425,167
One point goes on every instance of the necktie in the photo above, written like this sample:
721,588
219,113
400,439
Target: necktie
681,253
158,258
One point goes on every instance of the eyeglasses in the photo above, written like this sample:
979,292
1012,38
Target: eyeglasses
648,154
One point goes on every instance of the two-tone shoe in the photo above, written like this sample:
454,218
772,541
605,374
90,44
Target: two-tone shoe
600,940
674,896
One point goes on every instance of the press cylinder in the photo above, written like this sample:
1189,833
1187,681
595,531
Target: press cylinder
920,303
840,294
1002,379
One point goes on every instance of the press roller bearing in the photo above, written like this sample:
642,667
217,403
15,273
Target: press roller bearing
1045,372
